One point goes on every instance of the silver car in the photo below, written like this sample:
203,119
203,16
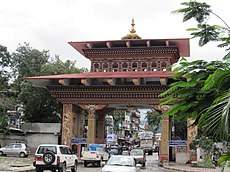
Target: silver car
120,163
15,149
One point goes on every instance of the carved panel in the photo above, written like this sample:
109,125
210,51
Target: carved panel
67,124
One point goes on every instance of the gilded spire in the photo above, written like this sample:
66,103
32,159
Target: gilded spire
132,28
132,34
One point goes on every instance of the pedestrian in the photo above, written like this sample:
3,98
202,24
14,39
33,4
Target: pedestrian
215,159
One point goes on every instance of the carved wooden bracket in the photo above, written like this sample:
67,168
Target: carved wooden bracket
64,81
162,109
86,82
92,107
136,81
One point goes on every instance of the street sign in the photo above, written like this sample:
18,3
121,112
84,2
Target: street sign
78,140
177,143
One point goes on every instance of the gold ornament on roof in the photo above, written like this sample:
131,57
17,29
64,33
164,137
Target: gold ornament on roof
132,34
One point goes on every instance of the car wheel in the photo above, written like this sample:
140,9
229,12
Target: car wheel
48,158
85,163
143,164
1,153
100,163
22,155
63,169
38,170
74,168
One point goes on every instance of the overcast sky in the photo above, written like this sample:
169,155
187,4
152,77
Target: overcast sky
51,24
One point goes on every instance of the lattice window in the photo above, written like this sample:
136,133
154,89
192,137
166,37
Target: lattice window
134,66
154,66
115,67
125,66
163,66
144,66
96,67
105,67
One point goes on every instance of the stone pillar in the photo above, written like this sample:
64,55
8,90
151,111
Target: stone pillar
67,124
101,128
91,133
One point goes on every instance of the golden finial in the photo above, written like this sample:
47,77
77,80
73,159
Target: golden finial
132,28
132,34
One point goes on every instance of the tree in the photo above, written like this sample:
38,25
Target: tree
153,120
39,105
202,86
4,64
56,66
4,86
207,145
205,32
210,104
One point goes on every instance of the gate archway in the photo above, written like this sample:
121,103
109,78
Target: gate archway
124,73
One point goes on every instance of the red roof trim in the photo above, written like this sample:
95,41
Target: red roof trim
95,75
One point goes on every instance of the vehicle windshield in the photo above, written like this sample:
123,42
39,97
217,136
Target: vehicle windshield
121,161
136,152
43,149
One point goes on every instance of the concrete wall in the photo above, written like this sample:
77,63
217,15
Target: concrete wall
41,127
40,133
33,134
35,139
13,138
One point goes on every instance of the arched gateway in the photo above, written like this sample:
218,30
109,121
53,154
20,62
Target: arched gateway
128,72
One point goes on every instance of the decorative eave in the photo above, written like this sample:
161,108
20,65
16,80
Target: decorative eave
102,78
182,44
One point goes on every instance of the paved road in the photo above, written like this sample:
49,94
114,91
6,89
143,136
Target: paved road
152,165
18,164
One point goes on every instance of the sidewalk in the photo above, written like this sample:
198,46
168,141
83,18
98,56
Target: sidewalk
189,168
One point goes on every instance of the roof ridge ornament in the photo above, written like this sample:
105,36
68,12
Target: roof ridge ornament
132,34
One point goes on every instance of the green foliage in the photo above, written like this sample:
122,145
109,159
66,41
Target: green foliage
206,144
224,160
27,61
205,32
38,104
153,119
213,99
199,11
4,63
3,119
56,66
118,115
186,95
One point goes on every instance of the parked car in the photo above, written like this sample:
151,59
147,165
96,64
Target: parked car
15,149
139,156
121,163
54,157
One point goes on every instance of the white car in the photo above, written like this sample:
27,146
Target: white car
121,163
54,157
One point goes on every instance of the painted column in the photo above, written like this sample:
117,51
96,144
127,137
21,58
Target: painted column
67,124
91,133
101,128
165,136
165,133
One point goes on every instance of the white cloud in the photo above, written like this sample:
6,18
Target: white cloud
51,24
